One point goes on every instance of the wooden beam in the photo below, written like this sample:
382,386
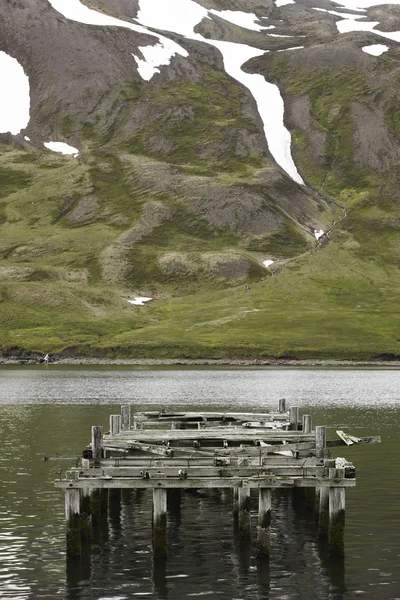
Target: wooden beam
205,471
125,417
264,522
73,523
159,523
244,513
115,424
269,481
337,504
97,442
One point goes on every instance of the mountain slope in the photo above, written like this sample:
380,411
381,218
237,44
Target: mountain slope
175,194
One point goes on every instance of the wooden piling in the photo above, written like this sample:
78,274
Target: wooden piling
86,515
323,513
337,505
244,513
114,505
264,522
95,507
282,405
125,417
294,418
73,523
235,506
320,450
307,424
320,441
115,424
97,443
159,523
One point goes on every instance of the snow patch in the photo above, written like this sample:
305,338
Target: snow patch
375,49
363,4
154,56
318,234
237,17
293,48
62,148
14,97
279,3
140,301
268,263
181,17
26,138
351,23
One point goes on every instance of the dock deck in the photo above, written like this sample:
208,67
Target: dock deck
182,450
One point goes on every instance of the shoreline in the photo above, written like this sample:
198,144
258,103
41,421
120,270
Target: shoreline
202,362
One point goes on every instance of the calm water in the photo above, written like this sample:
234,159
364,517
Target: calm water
49,412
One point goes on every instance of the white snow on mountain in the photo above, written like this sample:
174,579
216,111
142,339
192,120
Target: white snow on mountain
152,56
237,17
14,95
62,148
375,49
181,17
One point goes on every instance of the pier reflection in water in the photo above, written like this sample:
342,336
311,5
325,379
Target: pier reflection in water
206,556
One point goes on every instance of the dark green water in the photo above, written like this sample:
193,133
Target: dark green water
49,412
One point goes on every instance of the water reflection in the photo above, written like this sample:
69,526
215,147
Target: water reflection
298,561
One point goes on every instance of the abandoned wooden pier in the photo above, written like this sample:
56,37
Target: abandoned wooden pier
240,451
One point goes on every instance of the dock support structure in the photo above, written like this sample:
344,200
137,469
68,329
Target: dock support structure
73,522
97,443
244,513
337,505
160,523
320,449
125,417
294,418
264,523
235,506
86,516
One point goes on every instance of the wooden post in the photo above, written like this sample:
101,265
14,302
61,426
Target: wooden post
97,443
307,423
160,522
86,516
174,500
320,449
72,516
125,417
114,505
244,513
320,442
337,505
323,514
294,418
115,424
282,405
235,506
264,522
95,507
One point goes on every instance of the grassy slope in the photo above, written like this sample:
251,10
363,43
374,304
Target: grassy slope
338,302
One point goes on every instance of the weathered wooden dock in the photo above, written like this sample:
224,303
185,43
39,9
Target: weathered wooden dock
240,451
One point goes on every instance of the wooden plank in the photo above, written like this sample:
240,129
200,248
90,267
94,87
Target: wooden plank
349,440
190,472
203,482
231,434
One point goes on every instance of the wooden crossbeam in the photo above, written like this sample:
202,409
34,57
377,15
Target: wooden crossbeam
202,482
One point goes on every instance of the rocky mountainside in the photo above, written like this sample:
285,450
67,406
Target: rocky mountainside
236,161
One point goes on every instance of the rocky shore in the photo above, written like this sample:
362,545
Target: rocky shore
271,362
